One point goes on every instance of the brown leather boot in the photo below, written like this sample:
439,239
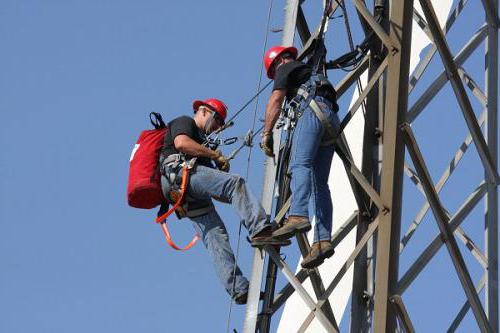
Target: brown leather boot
317,254
293,225
266,237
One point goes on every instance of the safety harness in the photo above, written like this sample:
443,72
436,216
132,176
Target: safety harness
307,92
305,98
182,204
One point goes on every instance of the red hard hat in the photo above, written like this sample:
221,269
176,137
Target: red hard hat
273,53
213,104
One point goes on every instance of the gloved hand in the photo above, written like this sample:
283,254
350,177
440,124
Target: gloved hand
267,143
221,161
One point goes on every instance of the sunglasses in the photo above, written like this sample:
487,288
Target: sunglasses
218,119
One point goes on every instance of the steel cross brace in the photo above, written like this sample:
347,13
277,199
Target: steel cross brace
471,84
337,237
491,13
465,308
348,80
318,312
422,66
441,80
343,270
468,242
402,313
315,278
443,224
459,90
440,184
363,94
416,268
391,44
306,37
360,178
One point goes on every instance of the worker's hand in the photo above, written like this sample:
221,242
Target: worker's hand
221,161
267,143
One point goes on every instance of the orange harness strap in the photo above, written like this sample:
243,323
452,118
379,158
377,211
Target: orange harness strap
163,218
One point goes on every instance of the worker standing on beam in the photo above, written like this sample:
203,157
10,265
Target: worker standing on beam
183,143
310,160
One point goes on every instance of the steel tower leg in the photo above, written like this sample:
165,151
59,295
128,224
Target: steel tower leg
396,105
362,277
491,203
251,317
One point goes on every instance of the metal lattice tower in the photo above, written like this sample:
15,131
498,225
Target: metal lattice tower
379,286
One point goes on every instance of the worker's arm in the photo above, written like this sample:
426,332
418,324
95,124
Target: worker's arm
188,146
273,109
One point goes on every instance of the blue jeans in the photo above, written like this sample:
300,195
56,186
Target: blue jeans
206,183
310,167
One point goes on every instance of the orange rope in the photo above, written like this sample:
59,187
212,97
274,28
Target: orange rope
163,218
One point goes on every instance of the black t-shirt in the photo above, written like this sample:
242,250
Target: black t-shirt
290,76
187,126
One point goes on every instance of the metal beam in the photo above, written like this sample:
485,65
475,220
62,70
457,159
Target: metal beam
442,79
490,8
373,80
472,247
403,315
459,90
360,178
351,78
302,27
396,104
491,214
300,290
412,174
452,165
473,86
430,251
287,291
362,201
302,275
363,270
391,42
422,65
442,221
465,308
343,270
315,278
252,307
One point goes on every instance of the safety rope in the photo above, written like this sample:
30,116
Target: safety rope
162,219
250,137
249,102
351,45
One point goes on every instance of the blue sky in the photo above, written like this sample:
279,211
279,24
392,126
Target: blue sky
79,79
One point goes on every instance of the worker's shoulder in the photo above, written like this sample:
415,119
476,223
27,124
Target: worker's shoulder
292,65
182,120
290,68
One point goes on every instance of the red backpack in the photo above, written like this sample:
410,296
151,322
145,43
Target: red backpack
144,180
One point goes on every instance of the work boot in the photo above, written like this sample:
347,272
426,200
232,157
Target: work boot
265,237
293,225
242,299
317,254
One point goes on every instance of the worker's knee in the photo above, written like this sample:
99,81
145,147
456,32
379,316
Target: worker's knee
237,181
218,233
237,184
303,163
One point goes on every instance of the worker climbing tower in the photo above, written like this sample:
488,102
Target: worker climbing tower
369,232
